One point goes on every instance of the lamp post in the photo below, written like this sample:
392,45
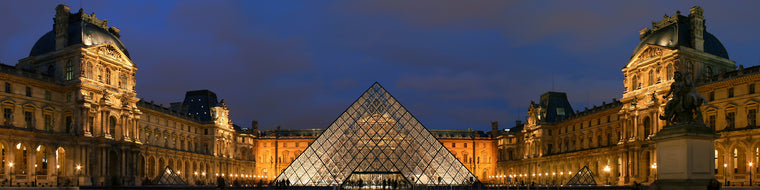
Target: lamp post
654,167
607,169
57,174
750,174
725,175
79,172
35,175
11,165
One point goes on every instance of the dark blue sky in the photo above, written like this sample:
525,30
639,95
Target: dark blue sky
453,64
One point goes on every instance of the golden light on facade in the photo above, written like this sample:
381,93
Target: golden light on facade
654,166
607,168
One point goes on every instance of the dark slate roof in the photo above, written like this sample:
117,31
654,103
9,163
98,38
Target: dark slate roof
553,102
80,32
199,103
675,31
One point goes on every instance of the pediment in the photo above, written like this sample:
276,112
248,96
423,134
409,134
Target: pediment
649,51
109,50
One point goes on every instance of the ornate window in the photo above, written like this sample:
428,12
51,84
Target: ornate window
7,87
647,127
112,126
69,70
89,70
669,70
731,92
48,122
68,122
108,76
752,117
28,119
651,77
731,120
635,83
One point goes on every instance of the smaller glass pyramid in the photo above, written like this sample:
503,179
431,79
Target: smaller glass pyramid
169,177
583,177
376,141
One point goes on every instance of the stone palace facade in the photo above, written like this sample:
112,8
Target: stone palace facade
71,116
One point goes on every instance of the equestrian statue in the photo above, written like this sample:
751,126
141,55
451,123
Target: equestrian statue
683,108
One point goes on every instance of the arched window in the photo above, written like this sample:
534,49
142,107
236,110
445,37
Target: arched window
69,70
2,156
635,83
716,161
41,163
736,161
21,161
670,71
60,160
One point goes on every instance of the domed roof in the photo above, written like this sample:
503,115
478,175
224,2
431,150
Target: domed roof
676,31
80,31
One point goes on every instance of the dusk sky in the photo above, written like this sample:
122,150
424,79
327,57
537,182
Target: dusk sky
452,64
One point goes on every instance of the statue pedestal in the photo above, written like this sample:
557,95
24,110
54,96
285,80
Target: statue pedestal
685,157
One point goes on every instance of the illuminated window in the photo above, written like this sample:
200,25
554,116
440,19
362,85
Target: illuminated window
89,70
736,161
69,71
716,161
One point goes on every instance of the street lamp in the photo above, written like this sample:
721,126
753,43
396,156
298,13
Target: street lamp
750,174
654,167
11,165
725,175
607,169
79,169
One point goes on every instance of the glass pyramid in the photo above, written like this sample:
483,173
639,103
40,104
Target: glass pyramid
583,177
376,136
170,177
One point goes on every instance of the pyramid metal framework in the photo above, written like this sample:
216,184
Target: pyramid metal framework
376,134
583,177
169,177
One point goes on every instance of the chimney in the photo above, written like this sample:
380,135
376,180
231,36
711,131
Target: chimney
255,124
61,26
494,129
697,22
